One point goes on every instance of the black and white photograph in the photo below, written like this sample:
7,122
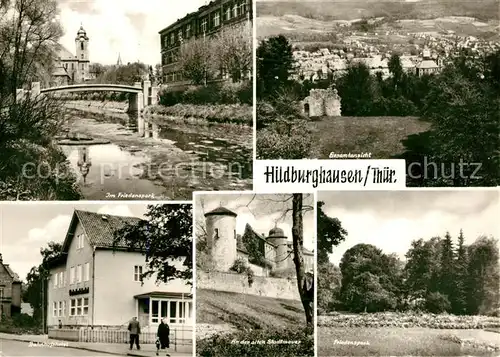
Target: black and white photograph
382,79
96,279
125,100
254,274
408,273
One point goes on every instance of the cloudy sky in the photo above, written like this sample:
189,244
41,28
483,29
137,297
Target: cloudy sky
390,220
129,27
24,229
262,212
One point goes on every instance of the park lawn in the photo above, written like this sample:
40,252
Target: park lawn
380,136
389,341
247,311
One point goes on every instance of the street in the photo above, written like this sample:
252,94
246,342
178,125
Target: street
16,348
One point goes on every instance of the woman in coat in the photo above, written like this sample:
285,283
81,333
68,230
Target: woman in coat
163,336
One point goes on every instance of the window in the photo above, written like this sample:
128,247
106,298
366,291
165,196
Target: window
217,19
61,279
64,278
179,36
82,47
82,55
54,309
54,276
235,10
165,41
188,30
72,275
173,311
172,38
204,25
235,234
72,311
216,233
83,67
79,274
85,306
60,309
72,66
137,273
243,6
79,306
81,237
86,273
63,308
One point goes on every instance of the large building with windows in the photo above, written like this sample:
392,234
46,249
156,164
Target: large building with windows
95,285
207,21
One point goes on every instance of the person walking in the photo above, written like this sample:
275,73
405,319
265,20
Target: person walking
163,337
135,330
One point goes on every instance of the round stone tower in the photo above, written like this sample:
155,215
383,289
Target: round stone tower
221,237
277,237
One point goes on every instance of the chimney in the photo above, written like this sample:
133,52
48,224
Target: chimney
1,259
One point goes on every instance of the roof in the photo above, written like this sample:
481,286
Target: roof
64,53
427,64
163,294
304,249
276,233
13,275
221,211
60,72
99,228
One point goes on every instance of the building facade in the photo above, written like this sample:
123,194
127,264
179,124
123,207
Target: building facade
226,246
10,290
207,21
97,286
73,68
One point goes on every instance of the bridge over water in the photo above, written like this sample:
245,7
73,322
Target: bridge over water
140,95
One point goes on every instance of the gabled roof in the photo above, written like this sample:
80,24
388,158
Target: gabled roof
14,276
304,249
64,53
99,228
61,72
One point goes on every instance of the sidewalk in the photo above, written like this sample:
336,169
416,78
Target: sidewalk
119,349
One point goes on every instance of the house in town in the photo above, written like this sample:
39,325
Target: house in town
207,21
10,290
72,68
226,246
95,285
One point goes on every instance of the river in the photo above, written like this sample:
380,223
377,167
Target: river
175,160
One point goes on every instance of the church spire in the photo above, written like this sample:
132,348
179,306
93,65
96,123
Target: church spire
119,61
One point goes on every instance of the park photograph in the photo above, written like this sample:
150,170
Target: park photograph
392,79
408,273
101,100
255,267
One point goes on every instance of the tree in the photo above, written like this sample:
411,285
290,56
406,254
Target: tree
97,70
356,88
196,60
35,292
330,233
165,238
447,273
28,41
461,276
329,283
396,70
484,277
274,65
233,50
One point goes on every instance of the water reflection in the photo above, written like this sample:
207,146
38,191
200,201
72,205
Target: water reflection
84,162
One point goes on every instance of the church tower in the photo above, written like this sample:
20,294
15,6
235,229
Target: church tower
221,237
82,55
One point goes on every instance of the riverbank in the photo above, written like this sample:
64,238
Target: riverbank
170,164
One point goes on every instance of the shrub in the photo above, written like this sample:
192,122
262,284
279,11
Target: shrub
284,140
437,303
235,114
240,266
19,324
259,343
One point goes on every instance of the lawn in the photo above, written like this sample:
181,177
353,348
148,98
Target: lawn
380,136
247,311
334,341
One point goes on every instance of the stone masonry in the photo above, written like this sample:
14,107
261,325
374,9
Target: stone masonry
322,102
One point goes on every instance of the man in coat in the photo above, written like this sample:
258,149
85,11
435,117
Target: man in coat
163,336
135,330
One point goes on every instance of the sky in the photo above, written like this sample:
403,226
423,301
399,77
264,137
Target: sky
126,27
261,211
25,228
391,220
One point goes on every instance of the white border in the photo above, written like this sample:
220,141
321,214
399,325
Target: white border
254,84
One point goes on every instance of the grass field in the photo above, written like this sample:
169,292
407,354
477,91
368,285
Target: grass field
247,311
401,342
380,136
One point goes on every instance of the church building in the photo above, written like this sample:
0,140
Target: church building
273,252
71,69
